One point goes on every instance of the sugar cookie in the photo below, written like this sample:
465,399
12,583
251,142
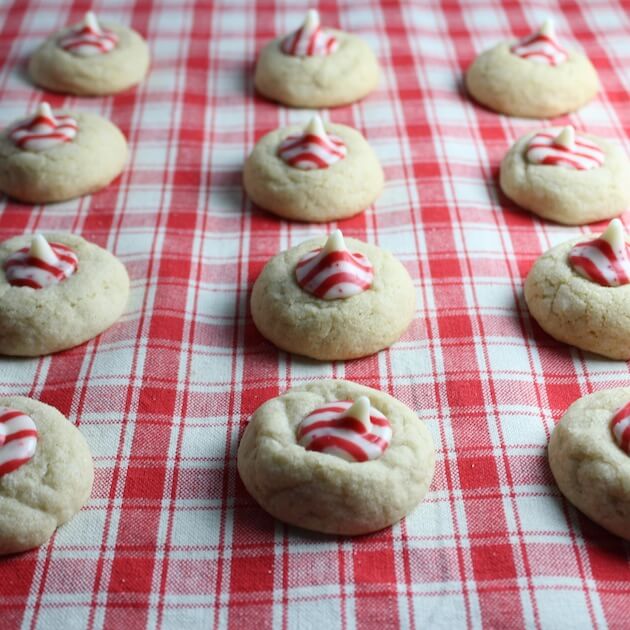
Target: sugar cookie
46,473
336,457
566,176
328,299
589,455
320,173
315,67
88,59
534,77
57,293
579,293
50,157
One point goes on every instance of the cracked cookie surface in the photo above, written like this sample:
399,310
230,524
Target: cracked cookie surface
298,322
51,487
590,469
90,162
36,322
323,492
575,310
342,77
342,190
571,197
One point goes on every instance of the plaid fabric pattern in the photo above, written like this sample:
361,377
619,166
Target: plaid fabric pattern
170,538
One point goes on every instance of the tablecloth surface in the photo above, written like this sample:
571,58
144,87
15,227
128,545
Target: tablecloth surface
170,538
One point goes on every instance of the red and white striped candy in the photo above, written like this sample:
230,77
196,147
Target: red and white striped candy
354,431
40,265
18,439
332,272
555,147
310,39
312,149
541,47
89,39
620,426
605,259
44,130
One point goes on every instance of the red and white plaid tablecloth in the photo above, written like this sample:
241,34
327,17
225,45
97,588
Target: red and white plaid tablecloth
170,538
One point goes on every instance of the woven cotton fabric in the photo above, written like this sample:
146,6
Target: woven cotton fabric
170,538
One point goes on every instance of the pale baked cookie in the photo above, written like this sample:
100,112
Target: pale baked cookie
315,67
50,157
589,455
88,59
534,77
56,295
330,300
314,174
579,292
336,457
567,177
46,473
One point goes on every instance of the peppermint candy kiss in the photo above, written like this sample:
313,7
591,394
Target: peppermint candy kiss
541,47
40,265
605,259
18,439
354,431
312,149
44,130
89,39
563,148
310,39
620,427
333,272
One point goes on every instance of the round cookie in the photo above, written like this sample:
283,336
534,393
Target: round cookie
341,190
519,86
52,486
342,76
575,309
323,492
566,195
35,322
297,321
590,468
60,70
81,165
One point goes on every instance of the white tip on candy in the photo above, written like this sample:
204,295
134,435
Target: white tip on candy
566,138
41,249
335,243
360,411
315,127
615,236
